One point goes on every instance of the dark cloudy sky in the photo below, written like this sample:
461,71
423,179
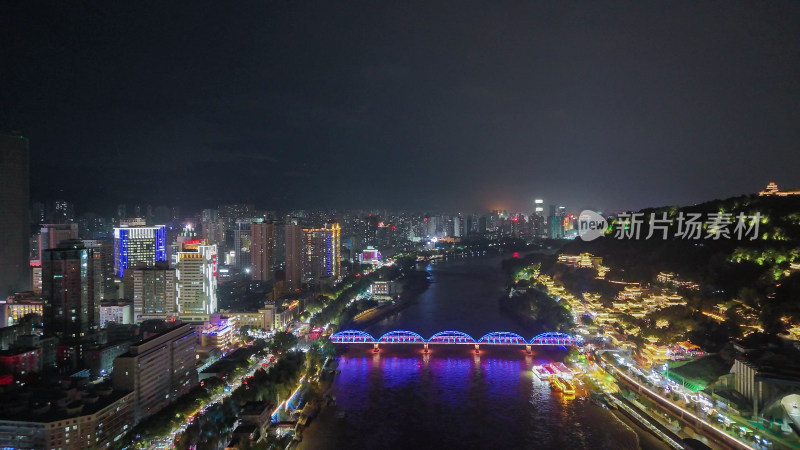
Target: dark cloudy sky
412,105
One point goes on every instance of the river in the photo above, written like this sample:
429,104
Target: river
451,397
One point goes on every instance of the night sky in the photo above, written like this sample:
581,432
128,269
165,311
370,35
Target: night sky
462,105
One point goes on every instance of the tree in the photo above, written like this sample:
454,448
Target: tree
282,342
244,333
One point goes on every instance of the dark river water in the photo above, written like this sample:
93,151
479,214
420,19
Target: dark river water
451,397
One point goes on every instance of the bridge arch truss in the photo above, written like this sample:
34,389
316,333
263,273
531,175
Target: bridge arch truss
401,337
553,338
502,337
454,337
451,337
351,336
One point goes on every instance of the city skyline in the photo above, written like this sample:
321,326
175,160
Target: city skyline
301,106
316,225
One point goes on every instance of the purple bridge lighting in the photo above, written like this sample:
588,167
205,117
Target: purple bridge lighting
453,337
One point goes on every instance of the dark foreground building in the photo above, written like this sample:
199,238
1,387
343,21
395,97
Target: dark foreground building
14,268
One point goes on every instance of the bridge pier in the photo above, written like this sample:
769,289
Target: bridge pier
528,349
477,348
426,348
375,348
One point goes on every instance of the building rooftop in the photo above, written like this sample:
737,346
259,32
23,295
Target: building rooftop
16,351
43,405
134,352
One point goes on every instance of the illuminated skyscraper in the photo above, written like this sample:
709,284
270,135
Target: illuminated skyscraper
262,249
293,243
197,280
133,245
537,218
322,249
14,269
71,289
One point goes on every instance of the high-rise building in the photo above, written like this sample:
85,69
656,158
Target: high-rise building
262,249
71,289
52,234
133,222
14,203
106,250
537,218
158,370
197,280
133,245
555,222
280,242
242,238
473,225
459,226
212,227
293,244
99,423
154,292
60,211
230,214
38,213
322,247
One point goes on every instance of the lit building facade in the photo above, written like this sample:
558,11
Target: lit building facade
118,312
293,243
773,190
14,308
370,255
71,289
133,245
154,292
158,370
218,332
263,319
88,425
262,250
322,258
242,236
383,290
50,235
197,279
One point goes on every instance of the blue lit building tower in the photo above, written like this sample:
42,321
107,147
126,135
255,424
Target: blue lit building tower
134,245
322,254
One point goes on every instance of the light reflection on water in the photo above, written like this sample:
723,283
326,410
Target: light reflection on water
453,398
401,398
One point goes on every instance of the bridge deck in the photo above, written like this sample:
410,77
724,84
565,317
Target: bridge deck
453,338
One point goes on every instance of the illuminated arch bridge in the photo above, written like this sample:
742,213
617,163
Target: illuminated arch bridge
453,337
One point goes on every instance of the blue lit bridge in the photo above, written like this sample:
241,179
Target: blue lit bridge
454,338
